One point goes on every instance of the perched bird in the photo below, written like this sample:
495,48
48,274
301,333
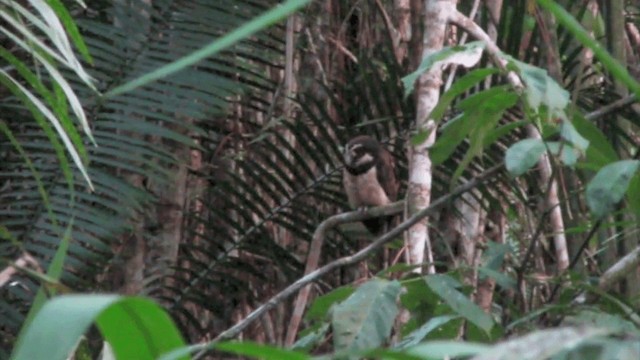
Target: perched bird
369,178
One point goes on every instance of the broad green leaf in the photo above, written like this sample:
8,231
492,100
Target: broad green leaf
321,305
569,133
459,87
420,333
454,132
460,303
485,111
600,151
633,195
260,351
312,338
365,319
523,155
136,328
466,55
501,131
505,281
603,320
442,350
567,153
541,344
618,70
609,185
541,89
258,23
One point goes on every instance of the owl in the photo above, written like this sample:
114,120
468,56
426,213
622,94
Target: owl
369,178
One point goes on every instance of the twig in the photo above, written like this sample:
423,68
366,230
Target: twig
620,103
463,40
344,50
391,30
352,259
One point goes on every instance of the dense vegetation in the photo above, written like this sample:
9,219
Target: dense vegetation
187,156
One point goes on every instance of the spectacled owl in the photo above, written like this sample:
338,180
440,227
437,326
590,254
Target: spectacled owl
369,178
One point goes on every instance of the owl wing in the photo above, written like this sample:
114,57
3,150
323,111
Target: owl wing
386,171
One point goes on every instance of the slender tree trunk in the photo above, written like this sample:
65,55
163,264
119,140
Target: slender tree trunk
420,167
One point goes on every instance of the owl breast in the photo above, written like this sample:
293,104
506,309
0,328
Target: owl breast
364,189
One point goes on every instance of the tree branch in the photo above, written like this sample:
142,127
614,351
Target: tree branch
360,255
620,269
315,249
620,103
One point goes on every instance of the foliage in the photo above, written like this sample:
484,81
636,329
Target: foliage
272,175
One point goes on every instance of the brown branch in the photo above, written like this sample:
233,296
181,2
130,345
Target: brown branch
620,103
352,259
315,249
620,269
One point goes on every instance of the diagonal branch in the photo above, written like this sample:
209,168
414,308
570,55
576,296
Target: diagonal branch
360,255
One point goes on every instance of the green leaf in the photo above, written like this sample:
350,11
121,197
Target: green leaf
600,151
567,153
486,110
505,281
459,87
466,55
618,70
541,89
569,133
523,155
633,195
420,333
312,338
365,319
64,16
609,185
447,349
260,351
37,105
321,305
603,320
541,344
136,328
258,23
441,285
454,132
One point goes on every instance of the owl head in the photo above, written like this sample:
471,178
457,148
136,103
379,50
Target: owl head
361,154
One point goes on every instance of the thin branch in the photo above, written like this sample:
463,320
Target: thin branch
315,249
463,40
618,104
620,269
352,259
344,50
